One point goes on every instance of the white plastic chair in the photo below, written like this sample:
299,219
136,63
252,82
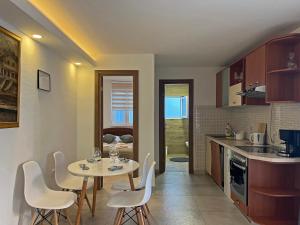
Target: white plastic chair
133,199
67,181
41,198
139,182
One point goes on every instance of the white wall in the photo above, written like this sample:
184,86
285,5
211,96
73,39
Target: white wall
204,91
47,124
86,101
107,114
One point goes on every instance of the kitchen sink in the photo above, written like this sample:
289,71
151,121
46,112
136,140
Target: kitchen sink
222,136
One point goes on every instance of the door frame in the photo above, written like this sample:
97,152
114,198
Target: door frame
162,139
99,106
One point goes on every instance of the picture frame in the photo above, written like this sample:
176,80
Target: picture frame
10,52
43,81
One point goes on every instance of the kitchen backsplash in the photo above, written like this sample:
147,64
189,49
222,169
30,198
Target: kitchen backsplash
207,120
277,116
210,120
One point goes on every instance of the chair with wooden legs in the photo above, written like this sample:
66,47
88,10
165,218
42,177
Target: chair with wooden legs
133,199
67,181
139,182
44,201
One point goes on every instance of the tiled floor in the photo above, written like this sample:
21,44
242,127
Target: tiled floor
178,199
176,166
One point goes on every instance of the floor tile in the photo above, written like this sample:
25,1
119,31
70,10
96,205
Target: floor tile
177,199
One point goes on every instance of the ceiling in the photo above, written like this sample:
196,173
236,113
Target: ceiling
26,23
179,33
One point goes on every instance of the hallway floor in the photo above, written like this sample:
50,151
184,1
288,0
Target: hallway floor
176,166
178,199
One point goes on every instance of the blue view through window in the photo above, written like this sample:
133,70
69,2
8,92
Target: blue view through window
119,117
176,107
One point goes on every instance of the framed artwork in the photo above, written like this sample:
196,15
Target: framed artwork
9,79
44,81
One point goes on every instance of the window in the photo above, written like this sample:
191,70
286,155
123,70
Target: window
176,107
122,103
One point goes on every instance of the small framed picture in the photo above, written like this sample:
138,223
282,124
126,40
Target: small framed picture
44,81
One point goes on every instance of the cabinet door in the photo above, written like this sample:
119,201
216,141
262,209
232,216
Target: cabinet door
256,67
219,89
216,163
208,157
225,86
234,98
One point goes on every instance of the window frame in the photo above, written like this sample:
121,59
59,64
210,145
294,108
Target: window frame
127,112
181,107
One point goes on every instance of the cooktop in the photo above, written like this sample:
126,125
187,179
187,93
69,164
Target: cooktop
260,149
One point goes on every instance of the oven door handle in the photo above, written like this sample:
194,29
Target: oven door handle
239,166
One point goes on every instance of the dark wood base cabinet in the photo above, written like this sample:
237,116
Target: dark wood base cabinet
243,208
273,193
216,163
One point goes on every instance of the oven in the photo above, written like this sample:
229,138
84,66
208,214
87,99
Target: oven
239,177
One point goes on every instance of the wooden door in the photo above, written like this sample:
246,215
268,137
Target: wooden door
219,89
216,163
256,67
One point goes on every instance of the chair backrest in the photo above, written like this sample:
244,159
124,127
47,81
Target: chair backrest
34,184
61,173
145,171
148,187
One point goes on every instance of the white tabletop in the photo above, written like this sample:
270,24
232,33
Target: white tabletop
100,169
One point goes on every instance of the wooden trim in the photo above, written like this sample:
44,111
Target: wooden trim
162,140
99,106
17,122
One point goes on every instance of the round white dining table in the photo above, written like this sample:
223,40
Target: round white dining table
97,170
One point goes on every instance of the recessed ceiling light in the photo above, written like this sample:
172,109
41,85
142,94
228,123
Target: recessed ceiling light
37,36
77,63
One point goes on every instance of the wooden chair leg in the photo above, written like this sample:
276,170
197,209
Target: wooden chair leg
43,214
33,216
68,217
55,218
118,217
148,210
121,216
80,203
145,214
140,216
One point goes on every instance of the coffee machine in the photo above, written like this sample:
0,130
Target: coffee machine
291,139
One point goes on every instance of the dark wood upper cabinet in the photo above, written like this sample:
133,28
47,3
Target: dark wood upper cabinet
237,72
219,91
256,68
222,88
268,65
283,82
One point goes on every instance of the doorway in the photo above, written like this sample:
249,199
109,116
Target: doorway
176,125
116,112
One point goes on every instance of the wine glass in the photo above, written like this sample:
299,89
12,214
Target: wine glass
113,153
97,154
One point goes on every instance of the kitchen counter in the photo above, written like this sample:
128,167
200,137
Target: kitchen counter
233,144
